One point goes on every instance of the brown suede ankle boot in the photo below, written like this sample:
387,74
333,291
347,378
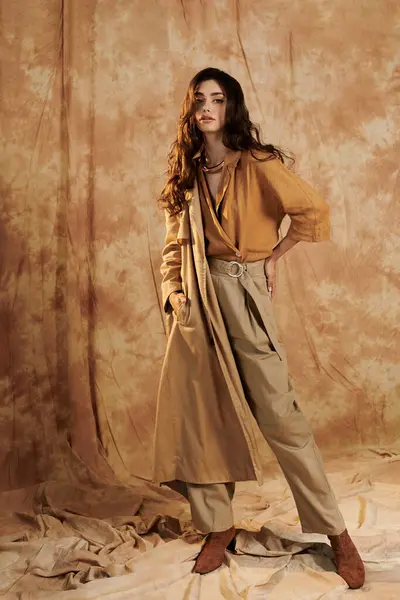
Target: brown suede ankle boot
348,562
213,552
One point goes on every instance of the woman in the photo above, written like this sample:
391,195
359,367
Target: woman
225,374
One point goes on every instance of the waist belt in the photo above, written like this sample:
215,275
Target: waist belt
235,268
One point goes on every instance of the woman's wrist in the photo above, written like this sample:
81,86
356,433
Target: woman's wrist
284,245
275,255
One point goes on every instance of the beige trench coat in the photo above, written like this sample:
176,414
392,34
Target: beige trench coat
205,431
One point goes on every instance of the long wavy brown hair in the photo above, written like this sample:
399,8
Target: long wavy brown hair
239,133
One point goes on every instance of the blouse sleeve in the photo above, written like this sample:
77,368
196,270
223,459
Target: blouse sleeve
308,212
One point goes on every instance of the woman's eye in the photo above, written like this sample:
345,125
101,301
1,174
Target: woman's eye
218,100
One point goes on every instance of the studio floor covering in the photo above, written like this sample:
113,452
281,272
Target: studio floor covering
62,541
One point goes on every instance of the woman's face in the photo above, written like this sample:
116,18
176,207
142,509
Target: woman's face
210,107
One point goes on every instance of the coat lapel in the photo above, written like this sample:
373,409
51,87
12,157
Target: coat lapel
199,251
217,332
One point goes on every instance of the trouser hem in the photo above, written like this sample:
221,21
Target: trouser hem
324,530
213,528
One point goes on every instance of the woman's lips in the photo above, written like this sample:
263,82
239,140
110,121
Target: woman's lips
206,119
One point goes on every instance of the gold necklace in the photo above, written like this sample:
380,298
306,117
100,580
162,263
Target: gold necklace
212,168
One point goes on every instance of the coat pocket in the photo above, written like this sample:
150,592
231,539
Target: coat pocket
183,314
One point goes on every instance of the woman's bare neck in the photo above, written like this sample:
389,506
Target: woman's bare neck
215,149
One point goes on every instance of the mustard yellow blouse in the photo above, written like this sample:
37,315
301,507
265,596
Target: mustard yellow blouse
253,197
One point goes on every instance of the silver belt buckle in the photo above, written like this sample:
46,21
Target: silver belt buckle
241,268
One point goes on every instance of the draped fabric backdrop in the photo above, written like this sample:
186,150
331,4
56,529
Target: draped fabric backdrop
90,97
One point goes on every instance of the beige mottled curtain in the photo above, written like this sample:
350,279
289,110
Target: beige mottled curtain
90,96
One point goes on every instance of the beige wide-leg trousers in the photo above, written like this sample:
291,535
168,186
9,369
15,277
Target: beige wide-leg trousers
261,361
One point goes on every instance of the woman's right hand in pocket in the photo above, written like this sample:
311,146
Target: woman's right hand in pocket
177,299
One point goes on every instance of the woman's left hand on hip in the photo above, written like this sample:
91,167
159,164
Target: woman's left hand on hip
270,274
